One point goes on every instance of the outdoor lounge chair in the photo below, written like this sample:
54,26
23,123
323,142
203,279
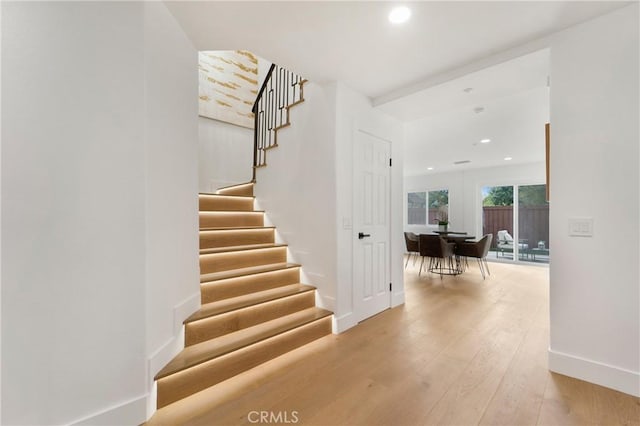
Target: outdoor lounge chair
505,243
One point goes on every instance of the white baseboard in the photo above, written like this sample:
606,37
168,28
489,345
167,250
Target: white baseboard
325,302
344,323
161,356
132,412
609,376
185,308
397,299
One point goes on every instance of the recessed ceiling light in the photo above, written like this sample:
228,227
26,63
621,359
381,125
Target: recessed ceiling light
429,168
508,158
485,140
399,15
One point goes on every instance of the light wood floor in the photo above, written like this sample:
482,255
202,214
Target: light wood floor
461,351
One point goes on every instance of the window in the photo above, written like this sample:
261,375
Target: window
436,203
417,208
439,206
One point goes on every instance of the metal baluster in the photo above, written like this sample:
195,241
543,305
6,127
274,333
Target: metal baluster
271,109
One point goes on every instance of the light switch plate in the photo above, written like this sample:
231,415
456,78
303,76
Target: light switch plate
581,227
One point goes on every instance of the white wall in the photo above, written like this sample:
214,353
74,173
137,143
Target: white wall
595,300
355,112
0,219
225,154
464,187
171,136
74,210
298,189
85,169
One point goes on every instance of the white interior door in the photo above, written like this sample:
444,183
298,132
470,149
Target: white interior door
371,248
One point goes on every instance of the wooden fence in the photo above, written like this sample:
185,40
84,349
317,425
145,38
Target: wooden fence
417,216
534,223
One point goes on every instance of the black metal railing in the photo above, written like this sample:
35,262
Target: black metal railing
280,90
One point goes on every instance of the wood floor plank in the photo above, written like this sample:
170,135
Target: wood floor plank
467,398
461,351
569,401
519,397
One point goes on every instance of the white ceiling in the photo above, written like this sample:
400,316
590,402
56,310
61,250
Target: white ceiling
515,125
495,82
443,125
354,42
416,71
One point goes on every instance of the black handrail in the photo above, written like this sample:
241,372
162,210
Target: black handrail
271,110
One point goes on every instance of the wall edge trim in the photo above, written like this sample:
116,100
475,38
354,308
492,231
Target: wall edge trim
344,322
170,348
132,411
397,299
163,354
599,373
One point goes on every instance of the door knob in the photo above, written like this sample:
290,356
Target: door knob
361,235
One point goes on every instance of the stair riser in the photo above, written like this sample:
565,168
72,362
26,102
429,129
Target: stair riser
233,287
218,262
192,380
244,190
230,219
218,325
229,203
236,237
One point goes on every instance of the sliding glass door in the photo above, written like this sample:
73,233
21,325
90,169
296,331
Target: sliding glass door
533,222
518,218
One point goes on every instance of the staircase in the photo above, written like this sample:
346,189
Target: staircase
254,307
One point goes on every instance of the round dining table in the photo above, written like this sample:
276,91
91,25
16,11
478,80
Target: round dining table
455,237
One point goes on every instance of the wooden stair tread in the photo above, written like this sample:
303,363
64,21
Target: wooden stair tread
241,248
238,212
236,228
209,194
205,351
234,303
243,189
233,273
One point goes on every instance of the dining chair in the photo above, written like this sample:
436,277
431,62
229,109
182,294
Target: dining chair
413,247
479,250
440,255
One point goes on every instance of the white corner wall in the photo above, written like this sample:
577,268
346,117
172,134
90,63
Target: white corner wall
354,112
0,217
595,298
297,189
171,143
99,208
464,187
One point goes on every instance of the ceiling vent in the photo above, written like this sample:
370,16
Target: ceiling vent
461,162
